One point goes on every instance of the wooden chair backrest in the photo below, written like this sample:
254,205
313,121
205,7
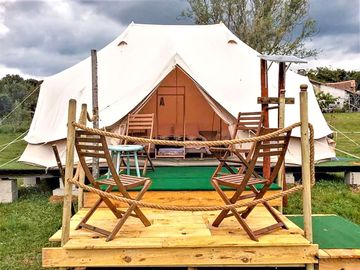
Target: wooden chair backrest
137,123
93,145
276,146
248,121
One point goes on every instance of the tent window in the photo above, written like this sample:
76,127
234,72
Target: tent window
231,41
122,44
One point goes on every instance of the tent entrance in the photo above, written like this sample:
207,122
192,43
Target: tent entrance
170,111
170,119
183,113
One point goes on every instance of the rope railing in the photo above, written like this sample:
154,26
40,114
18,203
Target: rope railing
197,143
184,208
186,143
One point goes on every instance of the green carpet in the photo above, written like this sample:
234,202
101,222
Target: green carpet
332,231
184,178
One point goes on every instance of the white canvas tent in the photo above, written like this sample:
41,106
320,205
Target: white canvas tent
224,71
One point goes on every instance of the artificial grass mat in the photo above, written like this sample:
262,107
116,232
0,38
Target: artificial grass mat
332,231
178,178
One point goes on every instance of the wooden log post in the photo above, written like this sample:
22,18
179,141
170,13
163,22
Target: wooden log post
265,109
82,120
95,105
305,168
281,124
69,168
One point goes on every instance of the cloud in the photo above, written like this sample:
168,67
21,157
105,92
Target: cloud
339,25
142,11
45,37
336,16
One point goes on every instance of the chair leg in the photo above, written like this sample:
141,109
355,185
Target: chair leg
147,159
275,215
150,161
223,213
89,213
137,210
233,199
110,205
127,214
120,223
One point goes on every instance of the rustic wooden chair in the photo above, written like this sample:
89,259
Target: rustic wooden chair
141,125
248,122
92,145
247,177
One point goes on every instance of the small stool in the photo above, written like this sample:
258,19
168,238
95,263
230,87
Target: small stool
119,151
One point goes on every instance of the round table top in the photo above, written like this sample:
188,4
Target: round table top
125,147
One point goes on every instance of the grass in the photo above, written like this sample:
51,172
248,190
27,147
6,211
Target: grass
11,152
330,196
350,124
25,227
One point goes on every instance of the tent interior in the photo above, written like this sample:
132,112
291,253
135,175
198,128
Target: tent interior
183,111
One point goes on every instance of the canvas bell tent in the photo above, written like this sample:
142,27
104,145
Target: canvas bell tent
194,78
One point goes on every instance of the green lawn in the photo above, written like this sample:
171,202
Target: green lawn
25,227
346,122
11,152
329,196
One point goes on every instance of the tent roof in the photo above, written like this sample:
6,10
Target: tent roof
130,68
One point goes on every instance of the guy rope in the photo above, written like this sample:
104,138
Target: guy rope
197,143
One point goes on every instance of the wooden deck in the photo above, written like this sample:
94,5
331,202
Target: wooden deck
180,239
181,198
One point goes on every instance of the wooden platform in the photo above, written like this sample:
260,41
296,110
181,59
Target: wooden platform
181,198
181,239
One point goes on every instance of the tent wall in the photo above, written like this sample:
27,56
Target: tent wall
173,113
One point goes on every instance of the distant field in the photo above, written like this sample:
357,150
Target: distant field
350,124
11,152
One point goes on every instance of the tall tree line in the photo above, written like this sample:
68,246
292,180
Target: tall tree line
13,91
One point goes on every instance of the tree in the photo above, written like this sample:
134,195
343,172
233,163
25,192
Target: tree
328,75
15,92
325,100
268,26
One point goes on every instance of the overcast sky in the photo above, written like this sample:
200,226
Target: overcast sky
41,38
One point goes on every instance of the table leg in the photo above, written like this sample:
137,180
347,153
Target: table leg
128,163
118,158
112,159
136,164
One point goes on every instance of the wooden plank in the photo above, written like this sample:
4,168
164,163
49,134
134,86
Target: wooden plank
274,100
339,264
184,198
205,256
194,226
343,253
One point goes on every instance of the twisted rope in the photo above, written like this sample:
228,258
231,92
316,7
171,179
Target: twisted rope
183,208
186,143
197,143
